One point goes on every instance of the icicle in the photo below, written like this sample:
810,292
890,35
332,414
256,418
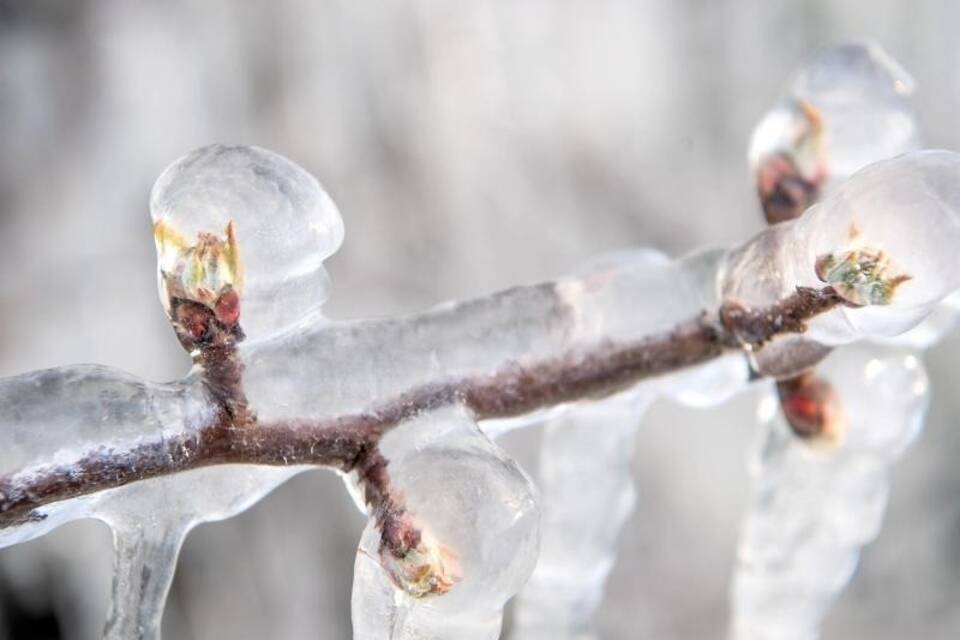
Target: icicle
588,495
145,557
817,502
150,521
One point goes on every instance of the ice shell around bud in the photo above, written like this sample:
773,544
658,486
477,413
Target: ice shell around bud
470,498
858,96
885,392
793,133
284,222
853,68
905,211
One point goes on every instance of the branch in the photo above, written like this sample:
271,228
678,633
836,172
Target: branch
344,442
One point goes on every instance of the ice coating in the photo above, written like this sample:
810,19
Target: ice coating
476,502
315,371
848,107
351,363
941,322
895,207
814,508
586,500
312,370
862,94
284,221
150,521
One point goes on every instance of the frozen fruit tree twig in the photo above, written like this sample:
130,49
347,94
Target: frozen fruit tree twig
345,441
241,236
844,109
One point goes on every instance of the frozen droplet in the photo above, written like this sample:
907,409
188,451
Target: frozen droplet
905,210
862,94
586,501
815,506
285,226
848,107
476,503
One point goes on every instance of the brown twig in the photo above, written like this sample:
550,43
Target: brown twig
345,442
809,403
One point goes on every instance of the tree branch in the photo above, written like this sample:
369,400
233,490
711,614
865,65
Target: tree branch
345,442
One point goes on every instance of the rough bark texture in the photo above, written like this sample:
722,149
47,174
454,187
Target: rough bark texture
347,442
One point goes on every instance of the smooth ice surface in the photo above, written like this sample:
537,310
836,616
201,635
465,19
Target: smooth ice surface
907,207
352,364
847,108
470,497
53,417
587,489
304,367
815,506
286,225
588,494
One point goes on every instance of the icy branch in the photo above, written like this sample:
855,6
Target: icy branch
241,236
342,440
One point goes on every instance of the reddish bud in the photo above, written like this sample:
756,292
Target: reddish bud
811,406
227,307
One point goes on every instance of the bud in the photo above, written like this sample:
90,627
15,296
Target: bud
848,107
813,409
288,224
208,272
426,568
860,276
791,140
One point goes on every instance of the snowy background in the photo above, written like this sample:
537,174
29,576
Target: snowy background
470,146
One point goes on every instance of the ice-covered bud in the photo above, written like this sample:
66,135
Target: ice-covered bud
844,110
862,95
221,202
813,508
861,275
427,568
477,519
812,408
208,271
791,137
887,238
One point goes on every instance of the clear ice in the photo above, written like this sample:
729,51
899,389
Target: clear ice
815,505
474,499
301,365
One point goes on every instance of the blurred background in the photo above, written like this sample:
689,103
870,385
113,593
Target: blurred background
471,146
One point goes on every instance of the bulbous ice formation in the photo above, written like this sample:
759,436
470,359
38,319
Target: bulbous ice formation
284,224
907,208
813,509
844,110
896,226
476,506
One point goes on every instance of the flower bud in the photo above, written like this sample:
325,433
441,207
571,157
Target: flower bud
208,272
